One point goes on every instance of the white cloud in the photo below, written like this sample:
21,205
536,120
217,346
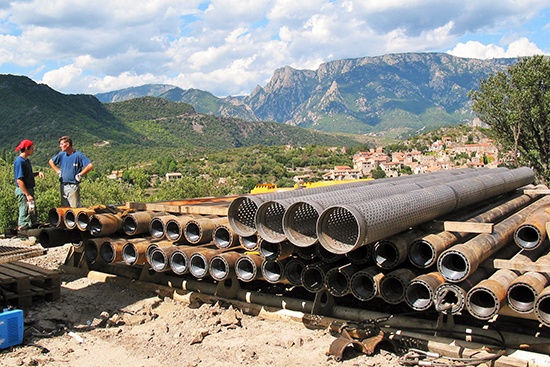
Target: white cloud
474,49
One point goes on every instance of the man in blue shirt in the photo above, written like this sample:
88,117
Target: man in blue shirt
24,185
70,165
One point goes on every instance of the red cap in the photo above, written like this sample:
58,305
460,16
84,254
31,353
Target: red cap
24,144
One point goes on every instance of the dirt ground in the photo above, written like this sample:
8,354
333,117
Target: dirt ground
97,323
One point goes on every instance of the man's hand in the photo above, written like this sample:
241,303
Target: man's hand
78,177
59,173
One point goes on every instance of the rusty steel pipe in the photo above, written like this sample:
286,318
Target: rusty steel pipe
77,237
293,270
542,307
200,230
83,218
338,279
308,253
420,292
458,262
248,267
343,228
159,258
360,256
180,258
56,216
222,266
111,250
365,283
274,271
532,233
391,252
450,298
524,290
91,248
300,218
157,225
394,283
199,262
424,252
225,237
314,275
69,217
155,245
133,252
485,299
137,223
174,228
250,243
275,251
104,224
55,236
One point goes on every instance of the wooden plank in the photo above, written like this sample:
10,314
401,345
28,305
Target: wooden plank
537,191
468,227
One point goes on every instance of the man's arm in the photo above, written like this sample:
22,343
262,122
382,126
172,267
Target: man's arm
23,188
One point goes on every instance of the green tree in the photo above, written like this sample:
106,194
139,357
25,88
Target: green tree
516,105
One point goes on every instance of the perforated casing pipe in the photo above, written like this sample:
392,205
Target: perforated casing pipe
365,283
343,228
419,293
459,261
242,210
485,299
300,218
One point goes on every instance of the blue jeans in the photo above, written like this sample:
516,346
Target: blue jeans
25,219
70,195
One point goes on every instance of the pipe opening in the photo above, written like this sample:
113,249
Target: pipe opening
54,217
482,304
528,236
521,298
241,215
219,268
338,230
293,271
313,279
422,254
193,232
542,309
173,230
270,250
269,221
129,254
198,265
129,225
156,227
245,269
308,253
418,296
158,260
272,271
222,237
70,219
385,254
392,289
90,251
179,262
363,286
82,220
107,252
299,224
95,226
454,266
249,242
360,256
337,283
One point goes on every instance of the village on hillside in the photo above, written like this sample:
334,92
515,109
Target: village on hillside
443,154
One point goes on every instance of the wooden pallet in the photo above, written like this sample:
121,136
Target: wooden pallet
24,284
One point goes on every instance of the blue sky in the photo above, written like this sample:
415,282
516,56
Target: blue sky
228,47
